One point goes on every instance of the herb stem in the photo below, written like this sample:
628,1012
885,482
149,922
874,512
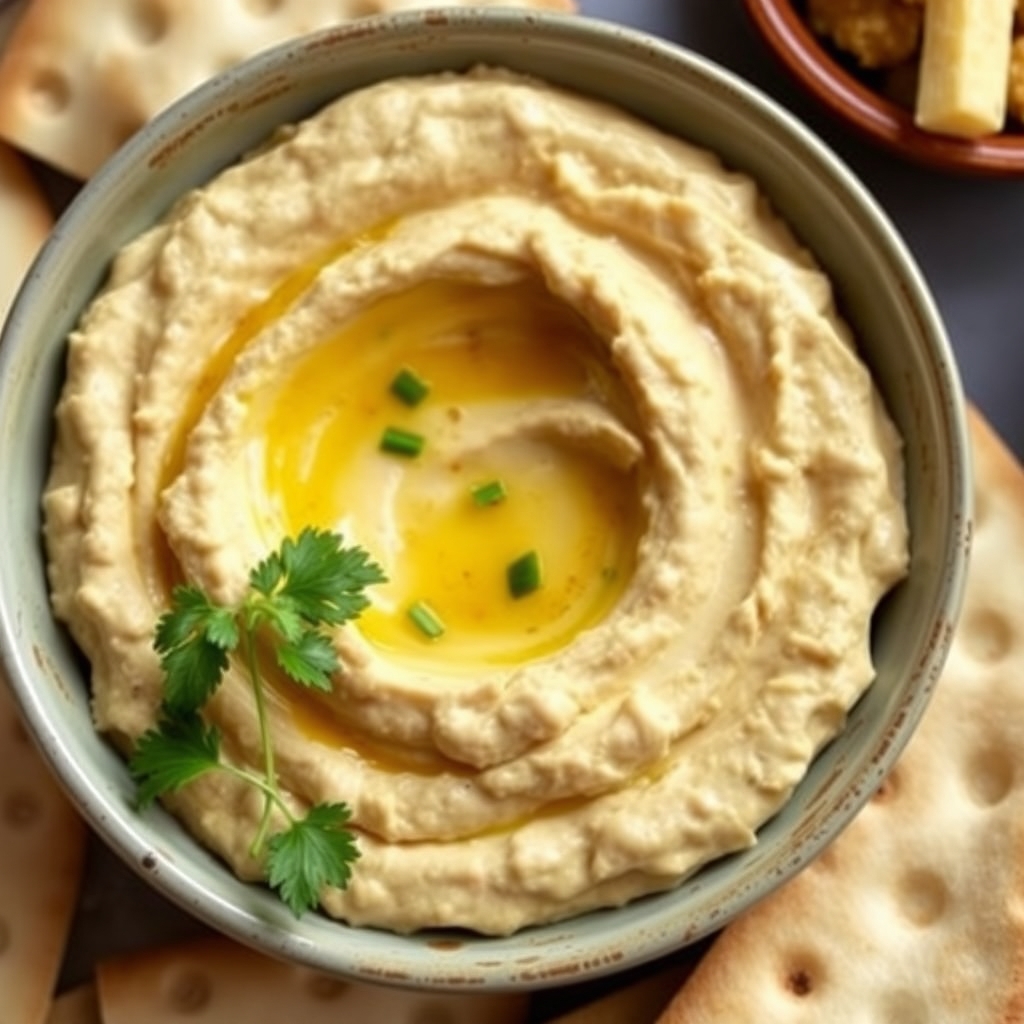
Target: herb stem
295,594
270,791
272,795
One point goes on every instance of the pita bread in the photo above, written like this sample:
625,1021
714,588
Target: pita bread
26,221
79,1006
10,12
80,76
216,981
915,915
639,1001
42,841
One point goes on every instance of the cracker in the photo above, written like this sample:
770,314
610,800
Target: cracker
78,77
916,913
639,1001
26,220
10,12
216,981
42,841
79,1006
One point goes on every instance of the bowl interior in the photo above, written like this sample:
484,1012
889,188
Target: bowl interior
881,294
870,113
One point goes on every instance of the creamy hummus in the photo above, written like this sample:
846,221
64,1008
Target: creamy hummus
615,327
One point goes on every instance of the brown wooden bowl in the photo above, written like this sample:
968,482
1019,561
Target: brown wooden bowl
871,114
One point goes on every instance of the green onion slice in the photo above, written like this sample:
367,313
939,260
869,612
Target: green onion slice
524,575
490,493
426,620
401,442
409,387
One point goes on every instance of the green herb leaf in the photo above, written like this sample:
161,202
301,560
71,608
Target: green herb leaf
191,610
192,673
314,852
309,660
267,574
181,748
324,580
276,611
310,582
193,640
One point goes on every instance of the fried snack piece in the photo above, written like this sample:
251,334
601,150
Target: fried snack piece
876,33
916,913
1015,90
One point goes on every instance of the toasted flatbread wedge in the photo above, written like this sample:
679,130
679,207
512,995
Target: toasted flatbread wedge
915,915
42,842
78,77
26,220
220,982
78,1006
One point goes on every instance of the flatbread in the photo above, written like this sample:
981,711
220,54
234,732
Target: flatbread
78,1006
42,842
78,77
25,221
915,915
10,12
637,1002
216,981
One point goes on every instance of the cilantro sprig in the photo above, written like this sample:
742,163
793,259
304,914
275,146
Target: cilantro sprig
295,595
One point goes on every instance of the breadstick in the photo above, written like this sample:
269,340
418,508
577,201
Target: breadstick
965,66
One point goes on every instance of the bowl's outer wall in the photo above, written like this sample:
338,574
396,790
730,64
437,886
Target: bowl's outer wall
881,294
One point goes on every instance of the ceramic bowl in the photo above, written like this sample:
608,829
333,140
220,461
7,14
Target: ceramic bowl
868,112
882,295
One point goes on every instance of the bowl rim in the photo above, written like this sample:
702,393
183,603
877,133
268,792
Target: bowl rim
872,115
581,948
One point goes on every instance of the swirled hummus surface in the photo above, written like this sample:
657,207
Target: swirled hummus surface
612,325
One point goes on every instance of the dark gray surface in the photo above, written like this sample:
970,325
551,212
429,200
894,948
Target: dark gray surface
966,233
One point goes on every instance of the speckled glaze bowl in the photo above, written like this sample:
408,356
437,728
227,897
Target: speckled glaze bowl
882,295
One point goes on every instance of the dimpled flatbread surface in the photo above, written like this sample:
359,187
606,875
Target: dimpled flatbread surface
217,981
78,77
915,915
25,220
42,839
42,842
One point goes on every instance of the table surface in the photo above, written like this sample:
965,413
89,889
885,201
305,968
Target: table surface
969,244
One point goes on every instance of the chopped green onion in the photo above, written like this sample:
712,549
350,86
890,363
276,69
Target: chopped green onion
401,442
523,575
407,386
426,620
489,493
